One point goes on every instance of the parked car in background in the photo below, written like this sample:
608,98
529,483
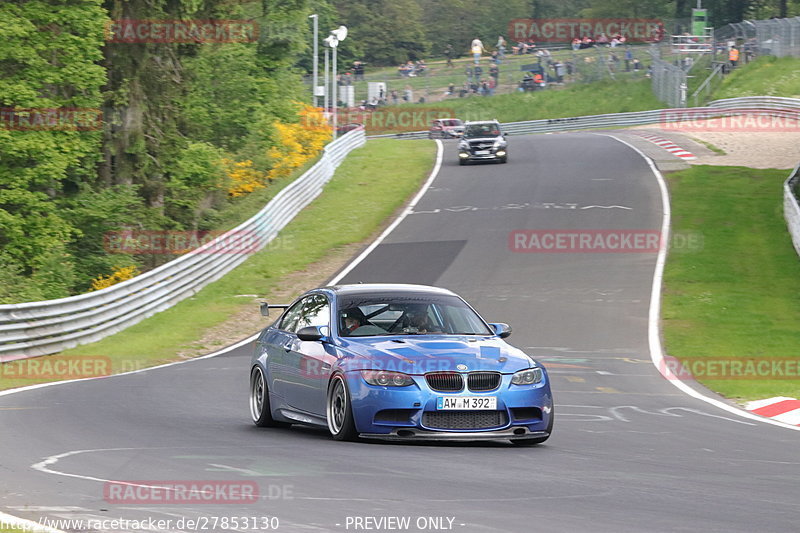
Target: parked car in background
446,128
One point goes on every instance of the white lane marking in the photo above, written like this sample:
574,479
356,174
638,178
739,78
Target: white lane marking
653,327
607,207
408,210
208,356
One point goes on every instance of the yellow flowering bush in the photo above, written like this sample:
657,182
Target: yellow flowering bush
119,274
297,143
243,178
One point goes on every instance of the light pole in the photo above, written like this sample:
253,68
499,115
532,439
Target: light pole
326,101
315,77
339,34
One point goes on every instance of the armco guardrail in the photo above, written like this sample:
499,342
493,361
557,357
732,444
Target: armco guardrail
784,107
791,207
39,328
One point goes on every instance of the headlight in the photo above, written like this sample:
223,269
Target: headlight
384,378
530,376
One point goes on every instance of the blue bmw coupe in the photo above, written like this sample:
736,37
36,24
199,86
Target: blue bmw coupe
401,362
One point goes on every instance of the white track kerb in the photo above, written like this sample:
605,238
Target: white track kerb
654,318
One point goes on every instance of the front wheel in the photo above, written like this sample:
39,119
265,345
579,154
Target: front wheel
339,411
462,162
259,401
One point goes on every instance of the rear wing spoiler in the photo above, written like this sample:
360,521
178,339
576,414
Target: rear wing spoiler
265,307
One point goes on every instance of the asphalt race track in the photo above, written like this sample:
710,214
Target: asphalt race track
630,451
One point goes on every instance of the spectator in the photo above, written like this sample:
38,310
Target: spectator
560,70
637,65
408,94
448,53
501,47
494,72
613,61
477,49
393,95
733,56
491,84
628,59
358,71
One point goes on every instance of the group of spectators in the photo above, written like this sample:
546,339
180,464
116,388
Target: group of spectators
599,40
412,69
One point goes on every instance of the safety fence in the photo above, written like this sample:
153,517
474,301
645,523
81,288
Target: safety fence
791,206
39,328
708,58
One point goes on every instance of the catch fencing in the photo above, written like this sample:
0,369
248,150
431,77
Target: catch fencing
39,328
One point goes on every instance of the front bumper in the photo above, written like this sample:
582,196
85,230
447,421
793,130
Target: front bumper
492,155
520,433
399,413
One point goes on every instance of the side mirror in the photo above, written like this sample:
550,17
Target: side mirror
310,333
501,329
265,307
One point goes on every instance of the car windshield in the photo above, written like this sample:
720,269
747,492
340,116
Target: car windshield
481,130
407,314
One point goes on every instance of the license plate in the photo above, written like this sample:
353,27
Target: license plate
466,403
481,152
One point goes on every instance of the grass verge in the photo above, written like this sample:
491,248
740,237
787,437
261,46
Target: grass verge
766,76
337,218
737,297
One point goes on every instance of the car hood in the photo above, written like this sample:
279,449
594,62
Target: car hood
482,139
430,353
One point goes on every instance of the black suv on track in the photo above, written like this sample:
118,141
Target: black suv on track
482,141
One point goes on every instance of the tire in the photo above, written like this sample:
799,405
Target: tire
259,401
339,411
462,162
538,440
